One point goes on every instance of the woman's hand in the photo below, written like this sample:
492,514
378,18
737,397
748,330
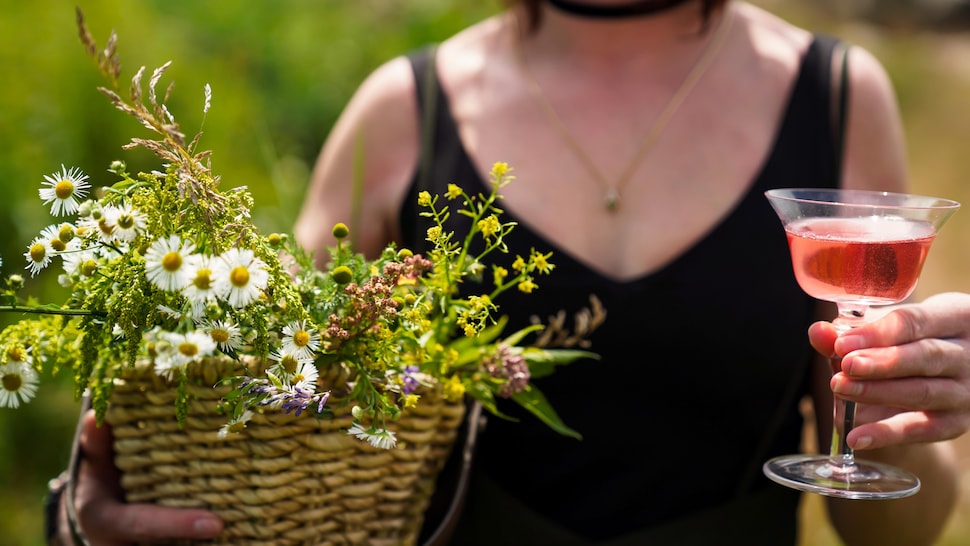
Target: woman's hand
104,517
911,369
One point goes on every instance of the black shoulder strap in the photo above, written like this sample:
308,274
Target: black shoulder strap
426,80
841,108
829,60
427,91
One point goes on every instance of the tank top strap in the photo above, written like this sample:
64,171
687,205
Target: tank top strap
808,142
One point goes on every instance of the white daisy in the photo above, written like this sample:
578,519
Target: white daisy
18,383
300,340
201,286
287,363
174,351
239,276
126,222
167,364
168,312
98,222
52,234
165,263
19,354
192,346
305,377
228,336
76,262
380,438
236,424
64,189
38,255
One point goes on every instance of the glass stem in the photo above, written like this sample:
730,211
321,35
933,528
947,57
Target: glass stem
850,316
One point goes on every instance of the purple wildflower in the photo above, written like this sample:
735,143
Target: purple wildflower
509,367
409,383
289,398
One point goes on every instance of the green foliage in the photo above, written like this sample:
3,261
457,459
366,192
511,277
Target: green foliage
281,71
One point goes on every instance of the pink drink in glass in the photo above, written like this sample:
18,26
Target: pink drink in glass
875,260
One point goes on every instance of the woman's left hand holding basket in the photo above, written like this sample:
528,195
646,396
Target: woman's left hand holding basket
102,515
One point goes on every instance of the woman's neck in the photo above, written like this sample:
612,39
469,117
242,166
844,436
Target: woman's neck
619,43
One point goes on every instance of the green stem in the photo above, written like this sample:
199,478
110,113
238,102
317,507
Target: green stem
51,311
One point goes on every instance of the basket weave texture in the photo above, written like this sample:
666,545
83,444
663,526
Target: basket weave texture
283,480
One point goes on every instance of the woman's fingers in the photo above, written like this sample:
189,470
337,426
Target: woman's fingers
909,370
908,428
104,516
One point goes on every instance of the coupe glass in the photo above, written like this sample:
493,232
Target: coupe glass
855,248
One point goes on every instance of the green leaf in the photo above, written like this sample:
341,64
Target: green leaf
489,334
516,337
543,362
535,402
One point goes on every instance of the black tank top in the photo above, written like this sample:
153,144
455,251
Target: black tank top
681,411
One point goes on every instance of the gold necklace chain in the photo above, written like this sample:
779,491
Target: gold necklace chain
611,197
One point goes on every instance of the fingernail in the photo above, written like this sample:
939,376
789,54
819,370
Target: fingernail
207,527
857,366
863,442
848,343
842,386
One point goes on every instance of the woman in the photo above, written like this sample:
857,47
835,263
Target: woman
643,134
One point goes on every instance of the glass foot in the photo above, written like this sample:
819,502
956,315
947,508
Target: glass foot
860,479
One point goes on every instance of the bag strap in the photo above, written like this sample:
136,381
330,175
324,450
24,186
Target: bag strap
62,490
454,486
464,448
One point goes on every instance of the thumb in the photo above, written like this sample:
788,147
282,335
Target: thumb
112,522
822,336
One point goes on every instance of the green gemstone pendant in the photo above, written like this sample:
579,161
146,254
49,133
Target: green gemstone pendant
611,199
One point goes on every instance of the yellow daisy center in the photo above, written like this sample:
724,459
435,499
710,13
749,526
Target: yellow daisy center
126,221
89,267
66,233
236,427
301,338
105,227
203,279
38,252
239,276
12,382
58,245
289,363
188,349
219,335
172,261
64,188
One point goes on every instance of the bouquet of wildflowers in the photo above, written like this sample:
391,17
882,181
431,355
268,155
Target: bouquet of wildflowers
164,269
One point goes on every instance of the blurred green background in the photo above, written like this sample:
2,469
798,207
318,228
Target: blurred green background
280,72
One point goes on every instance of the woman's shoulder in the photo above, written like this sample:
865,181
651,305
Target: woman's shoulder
776,38
390,89
772,38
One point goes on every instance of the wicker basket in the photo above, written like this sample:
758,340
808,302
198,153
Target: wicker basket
284,480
